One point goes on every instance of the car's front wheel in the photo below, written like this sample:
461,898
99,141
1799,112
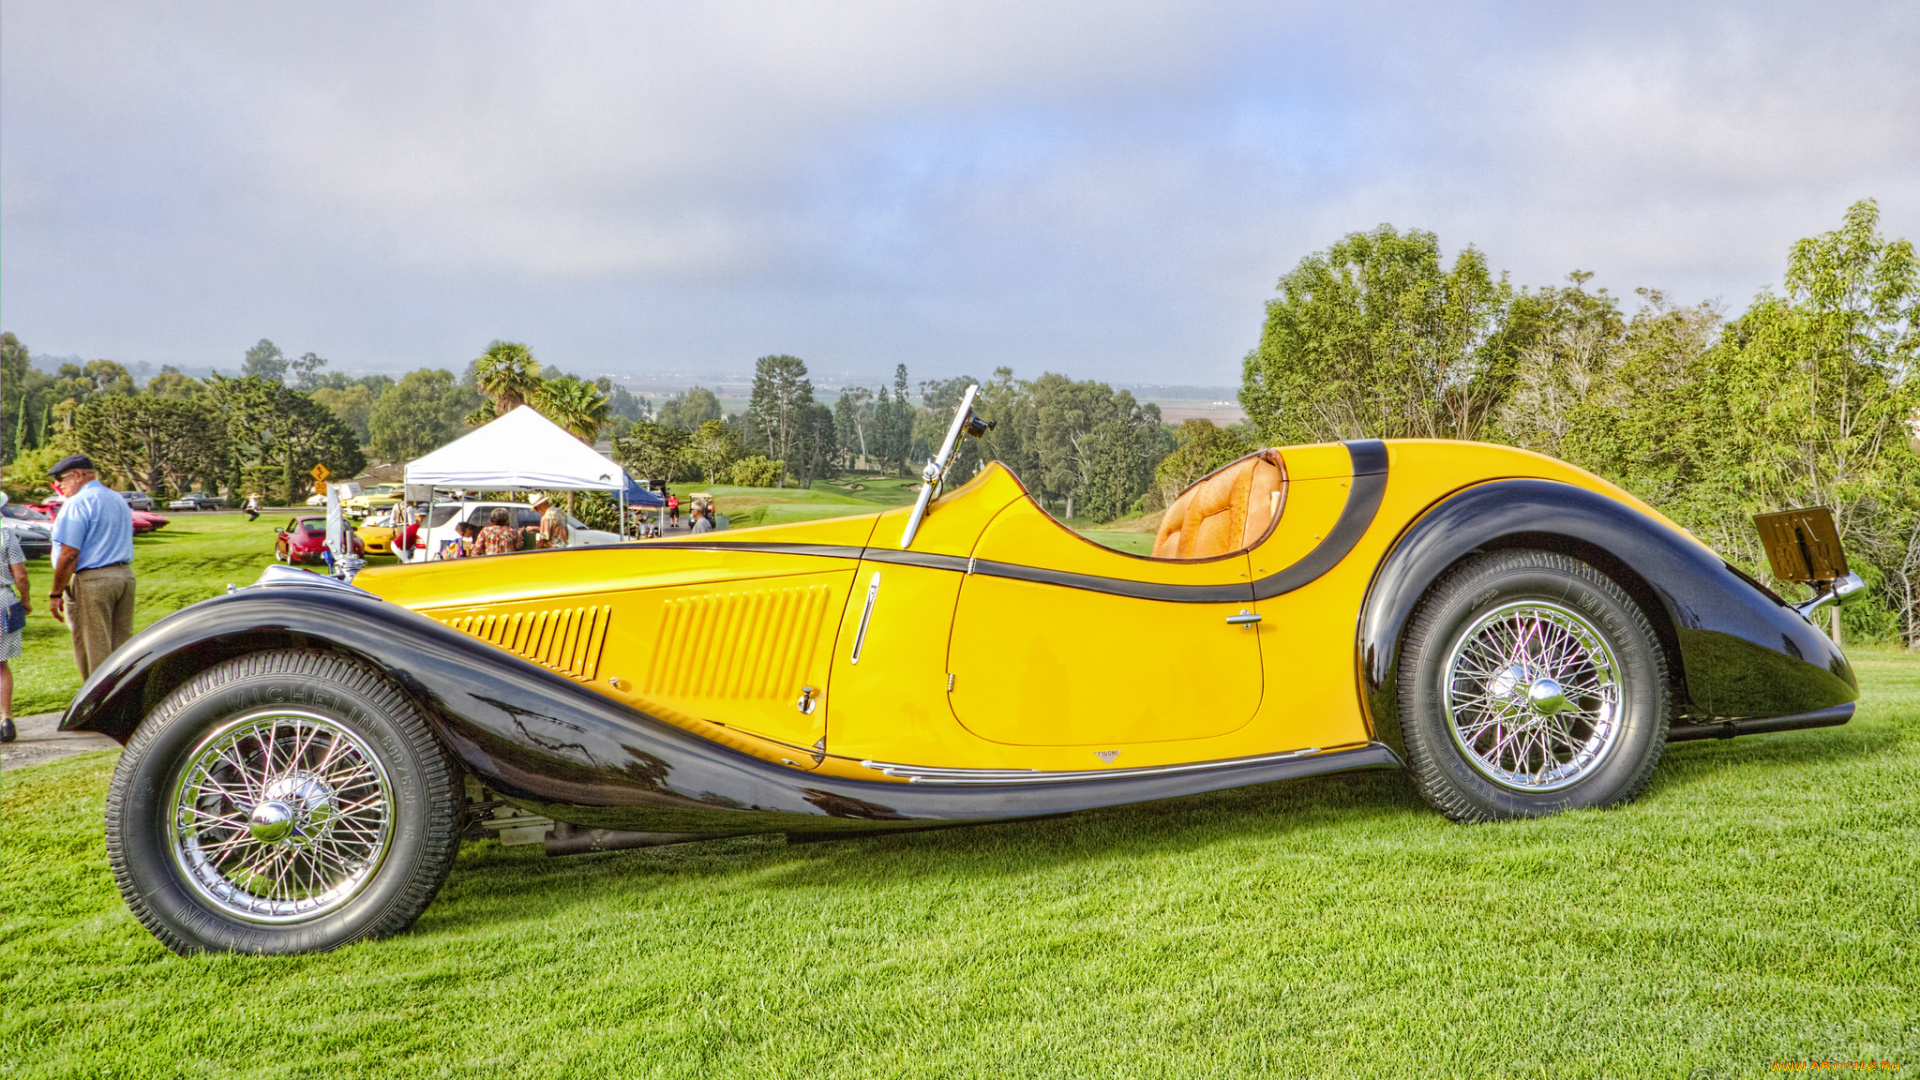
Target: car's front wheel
1530,683
282,802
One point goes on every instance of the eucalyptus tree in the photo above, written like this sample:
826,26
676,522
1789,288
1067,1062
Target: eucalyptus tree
422,412
264,361
688,410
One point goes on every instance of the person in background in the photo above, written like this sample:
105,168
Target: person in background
464,543
553,523
252,507
92,563
673,511
702,520
499,537
14,589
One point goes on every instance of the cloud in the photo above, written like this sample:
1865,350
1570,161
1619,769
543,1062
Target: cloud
1107,188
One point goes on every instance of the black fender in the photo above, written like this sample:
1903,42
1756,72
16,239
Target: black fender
1739,649
550,744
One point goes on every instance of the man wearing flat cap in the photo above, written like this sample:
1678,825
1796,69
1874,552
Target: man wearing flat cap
92,563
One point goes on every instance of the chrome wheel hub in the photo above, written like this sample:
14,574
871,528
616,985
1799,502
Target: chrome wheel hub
1533,696
280,816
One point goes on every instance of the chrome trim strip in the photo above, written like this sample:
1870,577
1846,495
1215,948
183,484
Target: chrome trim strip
866,616
935,774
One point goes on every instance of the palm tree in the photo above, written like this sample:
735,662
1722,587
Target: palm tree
508,374
577,406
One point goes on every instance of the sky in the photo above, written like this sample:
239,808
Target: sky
1109,190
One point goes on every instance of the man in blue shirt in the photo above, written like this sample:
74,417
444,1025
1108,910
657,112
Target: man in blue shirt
92,563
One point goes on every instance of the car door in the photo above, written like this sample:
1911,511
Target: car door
1058,641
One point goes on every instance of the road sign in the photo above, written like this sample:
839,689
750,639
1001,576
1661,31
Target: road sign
320,474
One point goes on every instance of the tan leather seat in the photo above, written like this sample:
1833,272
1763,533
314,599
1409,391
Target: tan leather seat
1225,511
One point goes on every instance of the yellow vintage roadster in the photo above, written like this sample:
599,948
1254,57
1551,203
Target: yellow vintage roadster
304,755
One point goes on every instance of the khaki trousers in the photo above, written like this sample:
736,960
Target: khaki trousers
100,614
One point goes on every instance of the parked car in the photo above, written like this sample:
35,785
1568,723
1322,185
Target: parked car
144,522
378,534
139,500
377,497
305,537
195,500
29,526
446,515
1524,638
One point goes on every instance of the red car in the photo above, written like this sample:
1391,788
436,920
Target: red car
145,522
305,538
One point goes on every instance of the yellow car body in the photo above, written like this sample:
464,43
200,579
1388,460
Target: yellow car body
1521,635
969,670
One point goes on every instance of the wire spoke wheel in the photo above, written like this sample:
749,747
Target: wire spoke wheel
1532,696
280,816
1530,683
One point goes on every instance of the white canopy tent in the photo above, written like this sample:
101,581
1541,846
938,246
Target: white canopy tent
521,451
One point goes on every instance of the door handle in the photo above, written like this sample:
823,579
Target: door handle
1245,618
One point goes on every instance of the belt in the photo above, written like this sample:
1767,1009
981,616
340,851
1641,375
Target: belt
103,566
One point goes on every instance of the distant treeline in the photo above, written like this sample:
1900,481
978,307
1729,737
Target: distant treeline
1807,398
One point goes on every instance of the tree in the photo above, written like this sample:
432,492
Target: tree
1375,338
576,406
352,406
755,471
170,383
1820,386
714,447
623,404
651,451
424,411
266,362
782,395
1199,448
690,410
306,371
853,423
160,444
815,443
507,374
268,423
893,417
19,395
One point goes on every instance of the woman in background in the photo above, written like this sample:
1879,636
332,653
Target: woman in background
14,589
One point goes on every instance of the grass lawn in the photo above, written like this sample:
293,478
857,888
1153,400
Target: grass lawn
192,558
1759,904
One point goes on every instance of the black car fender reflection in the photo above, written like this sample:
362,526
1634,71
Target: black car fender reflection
549,743
1743,651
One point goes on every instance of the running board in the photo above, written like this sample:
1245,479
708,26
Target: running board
1758,725
1364,757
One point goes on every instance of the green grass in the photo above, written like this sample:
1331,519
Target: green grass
1759,903
192,558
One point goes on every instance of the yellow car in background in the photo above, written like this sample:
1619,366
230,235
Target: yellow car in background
378,532
377,497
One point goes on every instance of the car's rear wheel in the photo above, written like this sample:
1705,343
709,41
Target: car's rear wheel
1530,683
283,802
